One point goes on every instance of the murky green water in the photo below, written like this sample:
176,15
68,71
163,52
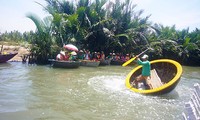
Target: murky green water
44,93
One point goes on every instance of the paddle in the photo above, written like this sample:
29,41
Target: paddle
129,61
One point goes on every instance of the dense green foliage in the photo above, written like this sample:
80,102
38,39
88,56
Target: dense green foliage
100,25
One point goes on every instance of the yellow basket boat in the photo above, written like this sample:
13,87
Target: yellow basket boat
165,75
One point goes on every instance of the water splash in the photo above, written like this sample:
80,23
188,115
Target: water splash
106,84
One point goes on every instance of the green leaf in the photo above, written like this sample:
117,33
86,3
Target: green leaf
122,35
81,10
187,40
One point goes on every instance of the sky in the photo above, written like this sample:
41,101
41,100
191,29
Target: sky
181,13
13,14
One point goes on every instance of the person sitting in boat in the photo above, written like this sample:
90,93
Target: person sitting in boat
123,58
110,56
81,55
67,55
60,56
87,55
117,57
113,56
127,57
146,68
73,56
98,56
102,55
95,56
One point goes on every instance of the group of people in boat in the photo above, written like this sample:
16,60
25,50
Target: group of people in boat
67,56
97,56
119,57
87,55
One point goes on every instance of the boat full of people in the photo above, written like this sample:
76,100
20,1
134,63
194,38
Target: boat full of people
71,55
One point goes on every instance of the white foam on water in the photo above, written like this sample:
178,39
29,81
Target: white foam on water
103,83
114,85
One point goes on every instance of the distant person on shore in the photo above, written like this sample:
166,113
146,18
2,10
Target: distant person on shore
146,68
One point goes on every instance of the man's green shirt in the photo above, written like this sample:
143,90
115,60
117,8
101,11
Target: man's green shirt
145,67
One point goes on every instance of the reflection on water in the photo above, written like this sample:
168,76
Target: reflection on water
42,92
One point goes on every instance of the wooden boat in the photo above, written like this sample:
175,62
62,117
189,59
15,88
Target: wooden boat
6,57
165,75
64,64
90,63
116,62
104,62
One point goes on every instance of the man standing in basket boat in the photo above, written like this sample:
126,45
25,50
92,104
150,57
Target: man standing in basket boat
146,68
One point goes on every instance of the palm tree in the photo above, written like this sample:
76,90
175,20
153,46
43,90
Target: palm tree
41,45
128,30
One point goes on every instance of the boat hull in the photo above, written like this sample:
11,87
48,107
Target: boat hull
6,57
65,64
90,63
104,62
169,72
116,62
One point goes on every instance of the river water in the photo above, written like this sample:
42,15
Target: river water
31,92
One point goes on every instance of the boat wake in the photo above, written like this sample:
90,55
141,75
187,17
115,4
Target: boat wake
106,84
115,85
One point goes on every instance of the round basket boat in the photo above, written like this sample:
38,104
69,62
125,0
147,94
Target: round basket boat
165,75
64,64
